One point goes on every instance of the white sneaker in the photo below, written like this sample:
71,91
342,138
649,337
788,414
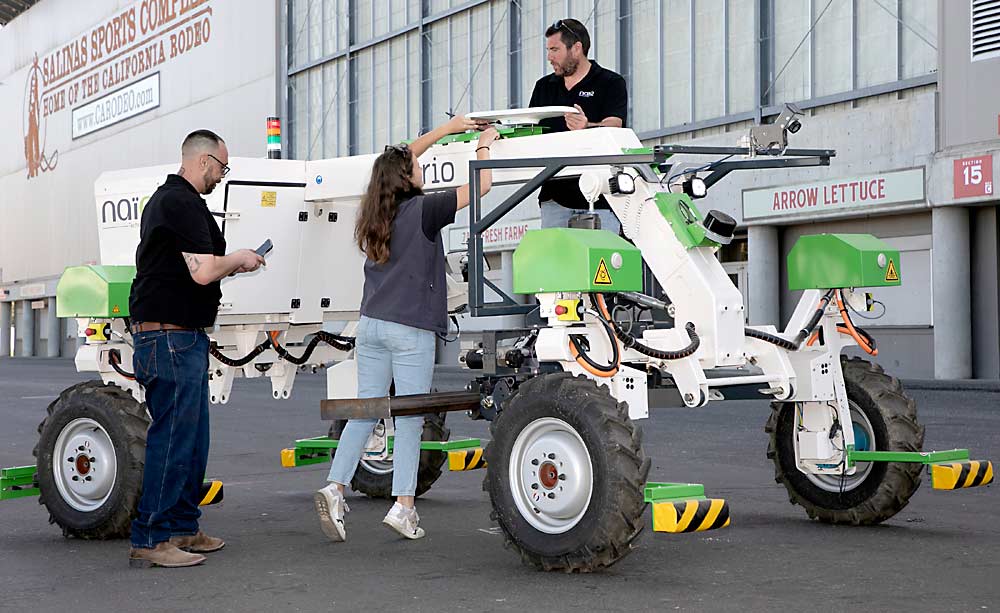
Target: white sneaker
404,521
331,506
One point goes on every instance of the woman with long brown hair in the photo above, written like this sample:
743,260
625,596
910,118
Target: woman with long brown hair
404,305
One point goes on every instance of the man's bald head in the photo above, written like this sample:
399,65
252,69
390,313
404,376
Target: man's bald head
200,141
204,160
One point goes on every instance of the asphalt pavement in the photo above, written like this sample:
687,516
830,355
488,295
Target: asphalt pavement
940,553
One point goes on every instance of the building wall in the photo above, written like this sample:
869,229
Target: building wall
217,71
361,74
969,114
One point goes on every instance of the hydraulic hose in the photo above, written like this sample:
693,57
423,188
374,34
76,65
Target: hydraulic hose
805,332
343,343
115,358
338,342
630,342
861,337
590,365
771,338
213,349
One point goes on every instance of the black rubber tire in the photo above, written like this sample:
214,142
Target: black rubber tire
125,421
378,485
613,518
889,486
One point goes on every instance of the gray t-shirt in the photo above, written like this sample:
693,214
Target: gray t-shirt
410,288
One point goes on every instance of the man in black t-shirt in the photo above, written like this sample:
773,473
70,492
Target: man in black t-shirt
600,97
179,262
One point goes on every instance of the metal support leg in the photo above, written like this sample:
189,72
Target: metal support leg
5,311
52,330
25,329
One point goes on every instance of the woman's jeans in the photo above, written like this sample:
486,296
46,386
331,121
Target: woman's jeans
172,366
387,351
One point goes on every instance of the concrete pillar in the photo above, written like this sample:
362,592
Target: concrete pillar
53,330
985,308
952,296
25,329
5,309
763,275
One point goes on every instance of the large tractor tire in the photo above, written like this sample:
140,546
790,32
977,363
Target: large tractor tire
374,477
884,418
90,455
565,474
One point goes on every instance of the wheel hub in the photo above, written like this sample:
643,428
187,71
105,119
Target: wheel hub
548,476
84,465
864,440
551,475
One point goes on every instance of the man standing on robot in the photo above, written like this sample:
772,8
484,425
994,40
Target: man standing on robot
601,98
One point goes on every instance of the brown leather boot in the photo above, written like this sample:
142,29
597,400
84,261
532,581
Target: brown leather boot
165,555
198,543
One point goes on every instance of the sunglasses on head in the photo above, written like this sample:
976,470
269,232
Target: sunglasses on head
402,148
562,24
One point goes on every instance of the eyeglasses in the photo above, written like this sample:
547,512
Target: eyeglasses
225,168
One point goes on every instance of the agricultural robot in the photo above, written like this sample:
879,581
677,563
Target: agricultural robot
610,317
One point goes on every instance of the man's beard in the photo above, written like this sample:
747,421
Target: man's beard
209,184
568,68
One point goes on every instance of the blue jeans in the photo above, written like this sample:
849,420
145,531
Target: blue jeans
173,368
554,215
387,352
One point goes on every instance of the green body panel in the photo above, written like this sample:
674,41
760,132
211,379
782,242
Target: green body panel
637,150
317,450
666,492
569,259
18,482
918,457
94,291
505,132
825,261
685,219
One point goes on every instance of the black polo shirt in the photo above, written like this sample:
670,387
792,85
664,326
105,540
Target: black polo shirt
601,94
175,220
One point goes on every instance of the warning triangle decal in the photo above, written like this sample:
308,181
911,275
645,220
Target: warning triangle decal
890,272
602,277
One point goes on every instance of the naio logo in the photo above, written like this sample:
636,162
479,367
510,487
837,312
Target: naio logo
122,211
34,126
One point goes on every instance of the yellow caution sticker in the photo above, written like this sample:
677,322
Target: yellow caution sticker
269,199
602,277
890,272
116,310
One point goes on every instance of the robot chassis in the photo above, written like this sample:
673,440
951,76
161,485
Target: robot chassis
567,474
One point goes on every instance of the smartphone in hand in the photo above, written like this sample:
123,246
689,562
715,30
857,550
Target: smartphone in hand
265,248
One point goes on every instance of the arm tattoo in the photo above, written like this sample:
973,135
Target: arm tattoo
193,263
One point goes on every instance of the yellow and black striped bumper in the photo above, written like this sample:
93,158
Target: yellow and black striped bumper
466,459
690,515
211,493
956,475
